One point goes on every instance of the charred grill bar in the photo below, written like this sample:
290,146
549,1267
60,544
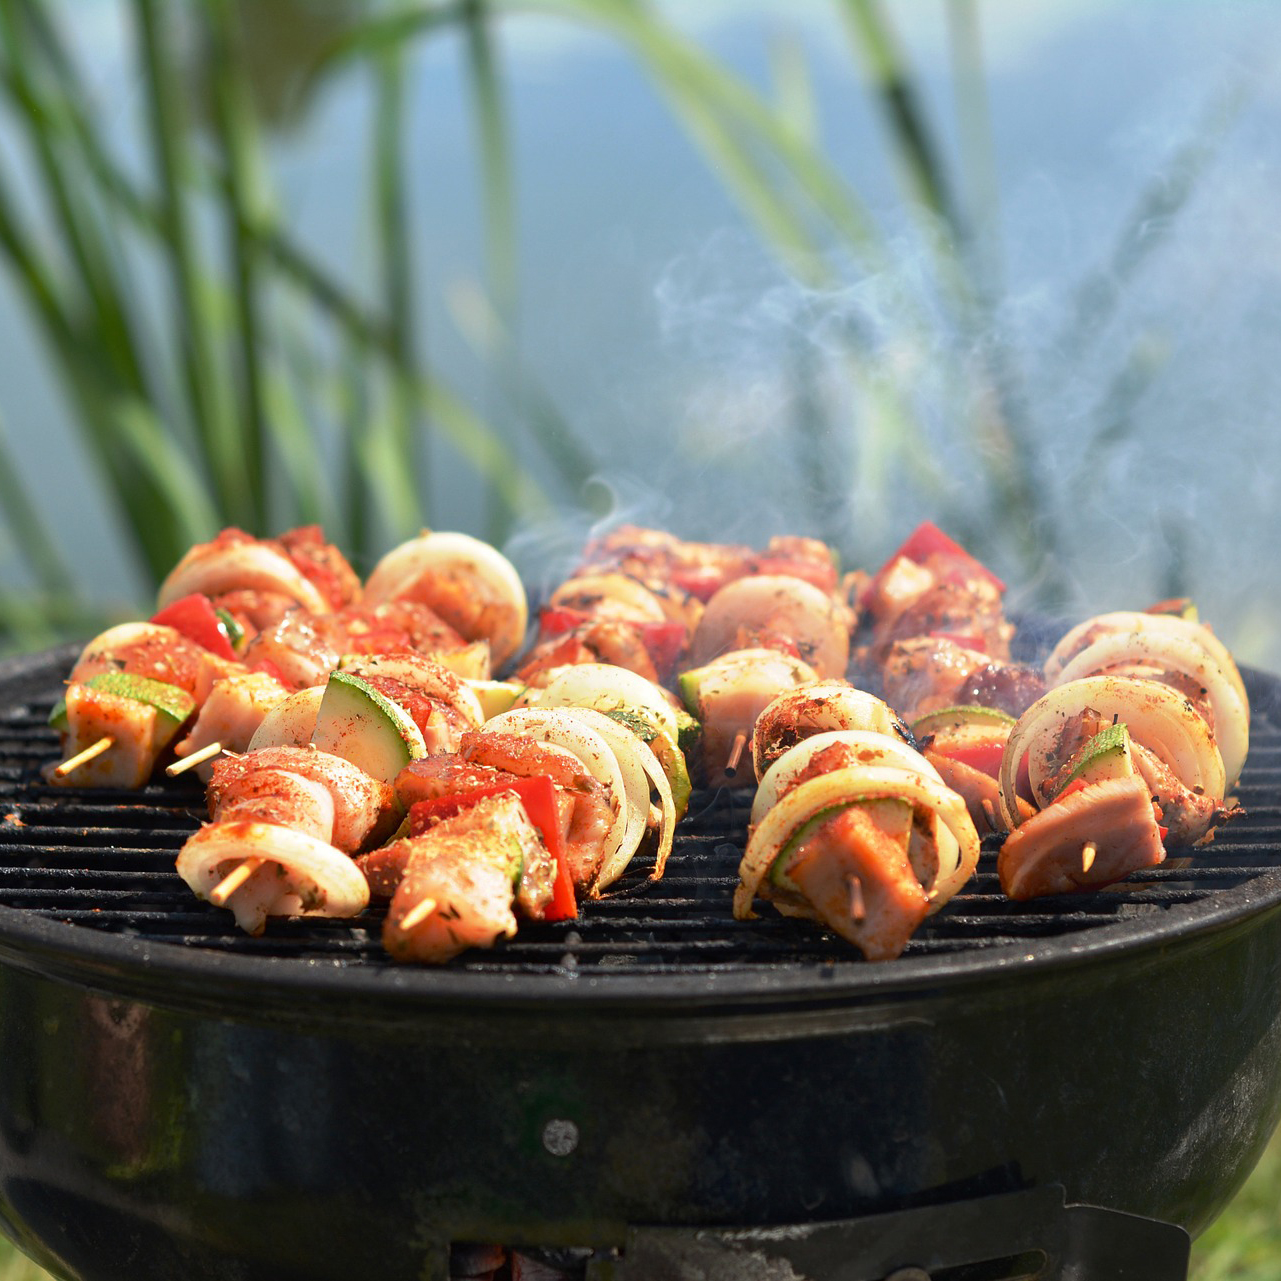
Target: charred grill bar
651,1087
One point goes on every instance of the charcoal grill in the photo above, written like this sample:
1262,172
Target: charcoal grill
1055,1089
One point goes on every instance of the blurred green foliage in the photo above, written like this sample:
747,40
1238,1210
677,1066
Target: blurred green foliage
253,387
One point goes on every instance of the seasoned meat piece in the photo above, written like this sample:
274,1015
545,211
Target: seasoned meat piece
254,609
585,807
459,882
1046,853
1011,687
303,647
398,625
442,724
277,796
321,563
1187,815
858,882
154,651
927,673
435,776
364,808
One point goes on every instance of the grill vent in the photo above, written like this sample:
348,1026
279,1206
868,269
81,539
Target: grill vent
105,861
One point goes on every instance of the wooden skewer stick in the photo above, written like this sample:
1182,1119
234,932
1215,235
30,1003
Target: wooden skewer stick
234,879
1088,851
735,754
858,908
418,913
206,753
989,813
90,753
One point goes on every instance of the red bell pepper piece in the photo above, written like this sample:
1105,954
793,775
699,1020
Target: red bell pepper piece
268,668
195,617
556,620
701,581
538,796
982,756
823,576
927,540
663,643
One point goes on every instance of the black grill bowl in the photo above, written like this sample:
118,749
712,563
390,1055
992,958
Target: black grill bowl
179,1101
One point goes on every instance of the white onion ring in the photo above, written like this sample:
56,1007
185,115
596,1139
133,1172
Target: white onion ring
823,705
805,614
620,589
240,566
436,567
641,771
1174,652
291,722
332,885
1157,716
1129,620
874,782
608,689
873,748
559,727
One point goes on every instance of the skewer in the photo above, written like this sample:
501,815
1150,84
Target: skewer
989,813
1088,851
735,754
90,753
234,879
418,913
858,908
206,753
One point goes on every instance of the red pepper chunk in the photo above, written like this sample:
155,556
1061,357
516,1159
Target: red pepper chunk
663,643
195,618
927,540
983,756
538,796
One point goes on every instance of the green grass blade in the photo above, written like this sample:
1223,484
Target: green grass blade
879,49
218,432
151,451
976,150
519,496
396,459
246,208
794,96
37,98
146,509
499,194
290,386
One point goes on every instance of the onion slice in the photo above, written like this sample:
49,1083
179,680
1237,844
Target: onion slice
1173,651
642,772
822,705
1157,716
470,584
301,876
1137,621
247,566
872,748
813,621
842,786
559,727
